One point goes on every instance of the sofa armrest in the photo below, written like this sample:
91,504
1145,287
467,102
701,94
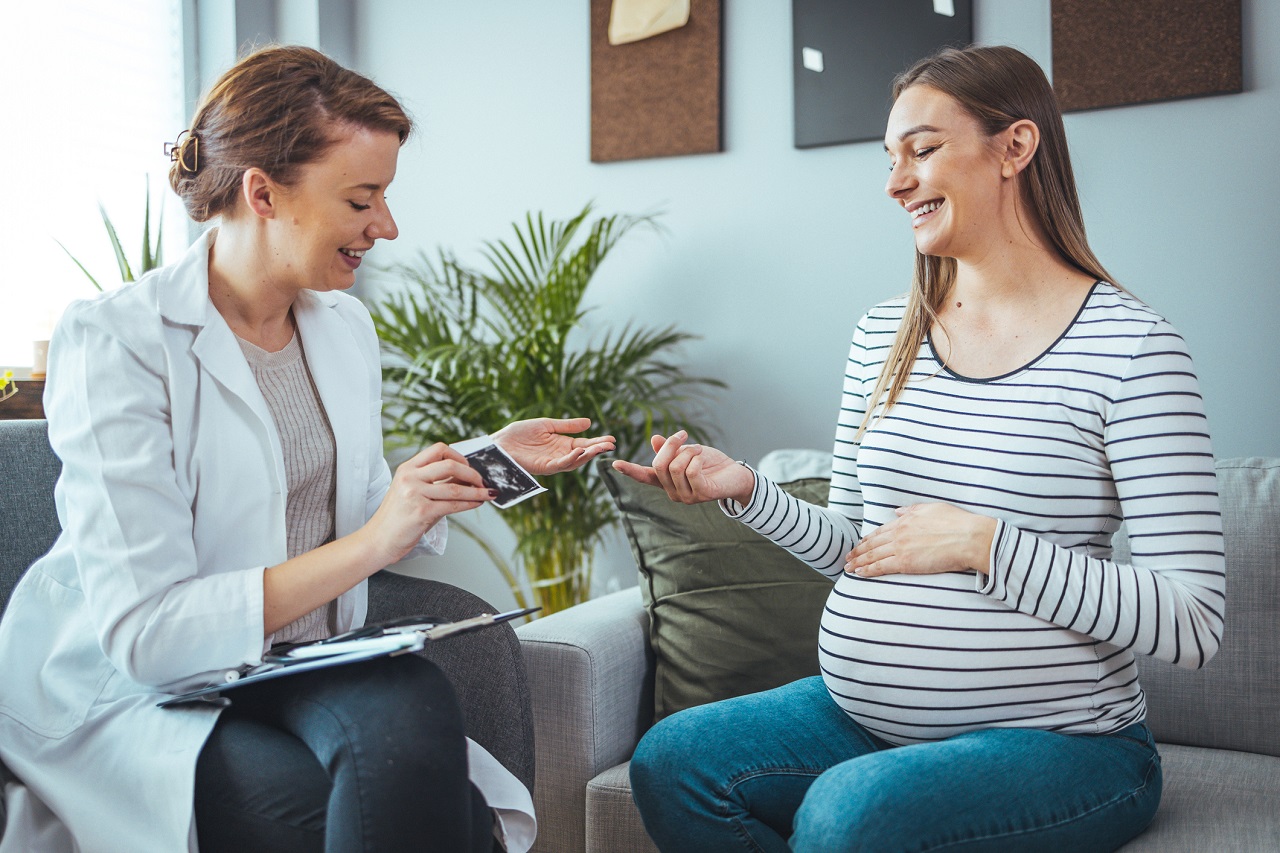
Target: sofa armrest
591,674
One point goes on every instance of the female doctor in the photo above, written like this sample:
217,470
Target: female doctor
224,490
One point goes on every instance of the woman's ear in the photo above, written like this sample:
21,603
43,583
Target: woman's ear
1021,139
259,192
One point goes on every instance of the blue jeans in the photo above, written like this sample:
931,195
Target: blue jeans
788,767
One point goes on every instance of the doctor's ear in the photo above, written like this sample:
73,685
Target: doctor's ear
260,193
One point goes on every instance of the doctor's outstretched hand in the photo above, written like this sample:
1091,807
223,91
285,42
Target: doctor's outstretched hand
691,473
547,446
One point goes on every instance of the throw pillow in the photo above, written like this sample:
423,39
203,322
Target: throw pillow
730,612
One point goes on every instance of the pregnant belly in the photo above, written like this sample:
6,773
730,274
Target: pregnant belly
924,657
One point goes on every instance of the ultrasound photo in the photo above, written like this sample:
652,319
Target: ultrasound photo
499,471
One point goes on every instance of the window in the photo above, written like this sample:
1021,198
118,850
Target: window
92,91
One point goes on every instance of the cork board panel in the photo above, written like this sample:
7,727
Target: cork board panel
1109,53
658,97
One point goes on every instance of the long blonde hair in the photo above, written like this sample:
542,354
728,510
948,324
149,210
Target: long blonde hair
997,86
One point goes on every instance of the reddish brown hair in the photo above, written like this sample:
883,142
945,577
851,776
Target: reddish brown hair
277,109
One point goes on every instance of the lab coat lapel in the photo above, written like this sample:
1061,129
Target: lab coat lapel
185,300
337,368
221,357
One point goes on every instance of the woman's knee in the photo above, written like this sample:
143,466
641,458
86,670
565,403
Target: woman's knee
403,707
833,815
406,694
663,755
865,804
406,685
708,746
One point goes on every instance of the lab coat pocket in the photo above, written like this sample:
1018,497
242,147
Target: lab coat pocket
59,670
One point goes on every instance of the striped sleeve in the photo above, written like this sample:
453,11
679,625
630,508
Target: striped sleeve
821,537
1168,601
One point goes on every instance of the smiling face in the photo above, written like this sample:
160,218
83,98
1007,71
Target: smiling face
947,174
334,213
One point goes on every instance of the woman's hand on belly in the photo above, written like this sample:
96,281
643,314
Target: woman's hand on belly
925,539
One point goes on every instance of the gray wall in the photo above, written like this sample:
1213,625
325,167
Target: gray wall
774,253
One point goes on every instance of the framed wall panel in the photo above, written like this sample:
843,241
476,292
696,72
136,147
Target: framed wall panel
1109,53
657,97
846,54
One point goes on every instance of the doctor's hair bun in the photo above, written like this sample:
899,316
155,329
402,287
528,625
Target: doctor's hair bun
277,109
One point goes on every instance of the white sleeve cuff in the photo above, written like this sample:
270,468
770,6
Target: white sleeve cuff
732,508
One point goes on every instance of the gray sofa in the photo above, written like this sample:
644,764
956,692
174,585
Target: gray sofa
592,670
486,667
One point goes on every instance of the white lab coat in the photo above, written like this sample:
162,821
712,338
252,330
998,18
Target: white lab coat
172,503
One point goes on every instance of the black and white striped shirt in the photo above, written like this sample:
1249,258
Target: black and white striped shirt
1107,424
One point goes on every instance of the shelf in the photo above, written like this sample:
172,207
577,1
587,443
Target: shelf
27,404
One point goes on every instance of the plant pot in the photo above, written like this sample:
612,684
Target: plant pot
560,583
556,561
39,359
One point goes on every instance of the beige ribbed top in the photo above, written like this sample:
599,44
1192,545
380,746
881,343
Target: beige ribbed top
306,440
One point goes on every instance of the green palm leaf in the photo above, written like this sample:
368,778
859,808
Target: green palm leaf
126,274
152,251
466,351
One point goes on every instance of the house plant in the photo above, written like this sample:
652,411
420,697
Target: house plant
152,252
467,350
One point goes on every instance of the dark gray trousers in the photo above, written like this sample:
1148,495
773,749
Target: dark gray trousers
362,757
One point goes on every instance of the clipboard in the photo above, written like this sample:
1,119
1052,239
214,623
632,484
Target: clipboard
378,639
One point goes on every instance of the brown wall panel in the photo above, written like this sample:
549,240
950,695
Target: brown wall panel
660,96
1108,53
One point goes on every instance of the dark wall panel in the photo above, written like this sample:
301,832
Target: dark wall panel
861,45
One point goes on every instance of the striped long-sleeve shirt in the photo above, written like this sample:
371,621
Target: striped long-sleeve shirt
1107,424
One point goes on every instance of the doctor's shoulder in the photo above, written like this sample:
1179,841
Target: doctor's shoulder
128,314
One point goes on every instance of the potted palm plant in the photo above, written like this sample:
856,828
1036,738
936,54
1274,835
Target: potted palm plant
152,257
467,350
152,252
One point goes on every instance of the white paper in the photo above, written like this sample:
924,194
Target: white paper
812,58
633,20
516,825
945,7
383,643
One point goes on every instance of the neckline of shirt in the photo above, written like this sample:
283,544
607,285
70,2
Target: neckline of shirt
284,357
984,380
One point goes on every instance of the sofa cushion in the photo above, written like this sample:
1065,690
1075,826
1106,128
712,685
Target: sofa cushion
730,612
1231,703
613,821
1214,799
26,500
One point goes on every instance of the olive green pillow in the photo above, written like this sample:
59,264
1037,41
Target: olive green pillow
730,612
